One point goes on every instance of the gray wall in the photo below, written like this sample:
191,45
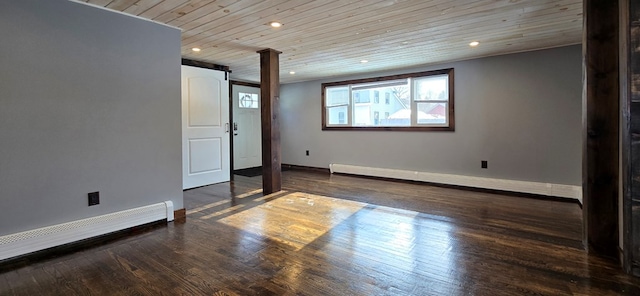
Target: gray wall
521,112
89,101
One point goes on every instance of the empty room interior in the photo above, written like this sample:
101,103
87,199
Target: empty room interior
305,147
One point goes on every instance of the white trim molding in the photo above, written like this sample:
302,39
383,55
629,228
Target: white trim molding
26,242
548,189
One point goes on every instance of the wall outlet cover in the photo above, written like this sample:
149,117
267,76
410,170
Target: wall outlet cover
94,198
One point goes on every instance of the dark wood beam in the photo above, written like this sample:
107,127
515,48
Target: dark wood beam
244,83
600,127
270,111
206,65
630,132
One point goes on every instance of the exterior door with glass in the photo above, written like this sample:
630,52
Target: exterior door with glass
247,147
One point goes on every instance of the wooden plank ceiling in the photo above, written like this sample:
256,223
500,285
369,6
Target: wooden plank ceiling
329,38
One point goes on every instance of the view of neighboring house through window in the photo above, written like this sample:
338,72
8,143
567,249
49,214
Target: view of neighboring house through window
416,101
432,97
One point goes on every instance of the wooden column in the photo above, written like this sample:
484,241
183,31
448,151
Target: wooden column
270,111
600,127
630,131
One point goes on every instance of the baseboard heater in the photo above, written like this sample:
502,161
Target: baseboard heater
548,189
26,242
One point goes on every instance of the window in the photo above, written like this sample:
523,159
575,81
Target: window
337,105
248,100
361,97
413,102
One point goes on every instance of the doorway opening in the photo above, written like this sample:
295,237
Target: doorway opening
246,129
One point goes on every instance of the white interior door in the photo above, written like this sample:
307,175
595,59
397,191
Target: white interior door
205,127
247,135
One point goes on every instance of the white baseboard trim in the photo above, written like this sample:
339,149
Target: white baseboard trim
548,189
26,242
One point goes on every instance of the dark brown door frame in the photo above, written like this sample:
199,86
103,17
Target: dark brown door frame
242,83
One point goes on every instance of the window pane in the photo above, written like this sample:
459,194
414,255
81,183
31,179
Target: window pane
337,115
397,104
337,96
248,100
361,97
432,88
362,115
432,113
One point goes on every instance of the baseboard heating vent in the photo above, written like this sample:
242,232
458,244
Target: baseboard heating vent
548,189
26,242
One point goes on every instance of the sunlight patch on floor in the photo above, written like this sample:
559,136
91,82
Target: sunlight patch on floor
218,213
295,219
207,206
268,196
250,193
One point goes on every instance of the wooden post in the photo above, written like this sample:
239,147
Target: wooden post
630,132
270,111
600,127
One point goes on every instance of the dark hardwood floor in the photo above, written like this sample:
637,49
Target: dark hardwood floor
339,235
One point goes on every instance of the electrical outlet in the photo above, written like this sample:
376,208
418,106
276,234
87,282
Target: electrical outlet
307,152
484,164
94,198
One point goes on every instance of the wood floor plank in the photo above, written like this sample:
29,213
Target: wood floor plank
339,235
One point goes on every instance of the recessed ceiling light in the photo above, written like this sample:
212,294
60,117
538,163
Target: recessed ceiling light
196,49
275,24
292,72
474,43
364,61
